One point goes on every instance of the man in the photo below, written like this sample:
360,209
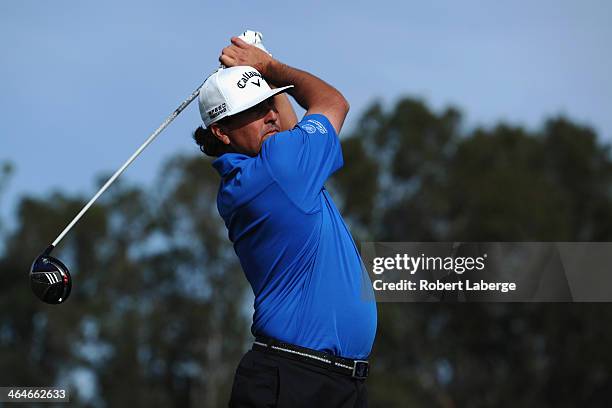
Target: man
315,318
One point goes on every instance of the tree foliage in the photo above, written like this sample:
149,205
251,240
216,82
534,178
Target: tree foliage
159,312
435,183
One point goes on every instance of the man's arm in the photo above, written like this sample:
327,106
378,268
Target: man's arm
313,94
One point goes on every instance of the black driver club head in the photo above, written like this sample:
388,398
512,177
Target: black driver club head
50,279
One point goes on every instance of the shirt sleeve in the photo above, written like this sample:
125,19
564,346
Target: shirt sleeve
303,158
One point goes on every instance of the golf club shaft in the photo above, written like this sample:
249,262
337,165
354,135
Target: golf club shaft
110,181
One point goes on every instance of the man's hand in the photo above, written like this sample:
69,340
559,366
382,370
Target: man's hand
310,92
241,53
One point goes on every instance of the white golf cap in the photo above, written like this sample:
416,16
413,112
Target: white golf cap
232,90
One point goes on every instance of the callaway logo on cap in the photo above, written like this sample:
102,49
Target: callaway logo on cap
232,90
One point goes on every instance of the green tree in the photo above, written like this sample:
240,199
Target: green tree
6,169
157,313
428,181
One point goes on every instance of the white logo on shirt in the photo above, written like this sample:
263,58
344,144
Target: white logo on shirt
309,128
318,125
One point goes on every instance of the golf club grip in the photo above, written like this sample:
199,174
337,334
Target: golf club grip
110,181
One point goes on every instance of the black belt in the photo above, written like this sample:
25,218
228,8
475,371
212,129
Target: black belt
358,369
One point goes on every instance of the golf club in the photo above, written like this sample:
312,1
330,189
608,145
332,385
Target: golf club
50,279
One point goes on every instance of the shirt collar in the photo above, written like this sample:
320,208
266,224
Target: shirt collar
227,162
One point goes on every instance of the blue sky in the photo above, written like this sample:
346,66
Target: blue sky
84,83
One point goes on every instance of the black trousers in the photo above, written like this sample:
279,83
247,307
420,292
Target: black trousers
271,380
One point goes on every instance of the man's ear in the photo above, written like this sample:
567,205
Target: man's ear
219,133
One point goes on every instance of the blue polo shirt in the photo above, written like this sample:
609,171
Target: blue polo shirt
311,288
